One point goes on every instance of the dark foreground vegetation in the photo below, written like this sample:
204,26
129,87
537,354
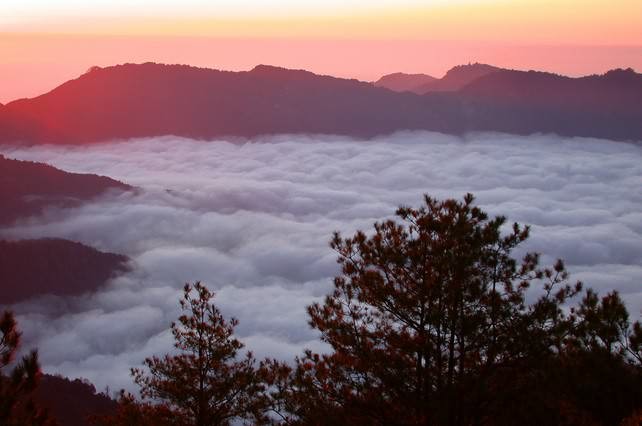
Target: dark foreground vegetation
428,324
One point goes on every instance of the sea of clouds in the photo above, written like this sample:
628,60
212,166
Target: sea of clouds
252,220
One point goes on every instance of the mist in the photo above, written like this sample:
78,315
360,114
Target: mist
253,219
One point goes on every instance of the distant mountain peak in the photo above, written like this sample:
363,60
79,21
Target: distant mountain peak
625,71
470,72
622,74
407,75
458,77
404,82
473,66
276,70
93,68
268,68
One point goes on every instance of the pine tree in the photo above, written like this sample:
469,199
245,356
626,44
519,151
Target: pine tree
427,313
428,324
17,406
206,383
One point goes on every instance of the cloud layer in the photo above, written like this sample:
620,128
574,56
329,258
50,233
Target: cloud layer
253,220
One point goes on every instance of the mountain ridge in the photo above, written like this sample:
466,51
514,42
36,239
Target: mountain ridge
53,266
403,82
455,78
27,188
147,100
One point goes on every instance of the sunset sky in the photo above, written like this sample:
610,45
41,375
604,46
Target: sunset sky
43,43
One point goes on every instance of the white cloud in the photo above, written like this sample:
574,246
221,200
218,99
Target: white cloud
253,220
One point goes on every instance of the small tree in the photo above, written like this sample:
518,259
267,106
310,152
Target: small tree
206,383
17,406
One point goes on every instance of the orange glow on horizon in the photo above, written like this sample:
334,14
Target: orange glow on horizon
44,43
31,65
590,22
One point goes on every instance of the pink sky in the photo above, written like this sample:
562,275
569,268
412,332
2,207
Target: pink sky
44,43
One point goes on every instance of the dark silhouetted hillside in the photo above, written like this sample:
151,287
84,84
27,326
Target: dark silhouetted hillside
27,188
151,100
147,100
620,89
607,106
401,82
30,268
72,402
